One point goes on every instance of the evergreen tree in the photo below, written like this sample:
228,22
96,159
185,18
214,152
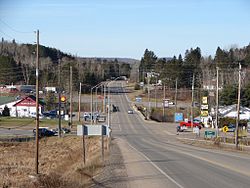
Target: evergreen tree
6,111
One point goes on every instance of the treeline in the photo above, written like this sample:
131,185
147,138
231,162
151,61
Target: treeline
18,61
203,70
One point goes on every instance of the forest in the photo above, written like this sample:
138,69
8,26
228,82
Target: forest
17,66
203,70
18,61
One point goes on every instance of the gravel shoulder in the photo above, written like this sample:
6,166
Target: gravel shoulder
114,173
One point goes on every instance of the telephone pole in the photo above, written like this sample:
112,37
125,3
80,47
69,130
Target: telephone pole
164,97
37,102
175,96
79,102
59,96
70,109
192,106
217,101
238,111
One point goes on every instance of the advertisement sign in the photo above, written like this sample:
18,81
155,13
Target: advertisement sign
204,107
204,113
165,103
204,100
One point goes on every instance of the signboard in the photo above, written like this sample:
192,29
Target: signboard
138,99
210,134
204,107
204,113
141,84
165,103
93,130
204,100
178,117
225,129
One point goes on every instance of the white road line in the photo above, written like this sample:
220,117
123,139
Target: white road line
160,170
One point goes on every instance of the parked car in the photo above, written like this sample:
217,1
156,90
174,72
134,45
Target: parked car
43,132
63,130
130,111
231,128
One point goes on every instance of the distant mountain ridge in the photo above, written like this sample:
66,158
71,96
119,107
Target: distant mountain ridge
120,60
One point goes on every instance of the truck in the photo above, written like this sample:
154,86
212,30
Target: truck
184,125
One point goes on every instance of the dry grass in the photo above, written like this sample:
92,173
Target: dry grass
60,163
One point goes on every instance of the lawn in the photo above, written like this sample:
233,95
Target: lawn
29,123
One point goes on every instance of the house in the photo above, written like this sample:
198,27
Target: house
231,111
9,102
26,107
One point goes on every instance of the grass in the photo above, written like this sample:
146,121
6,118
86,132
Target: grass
27,123
60,163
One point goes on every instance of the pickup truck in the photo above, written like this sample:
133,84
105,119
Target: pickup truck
185,125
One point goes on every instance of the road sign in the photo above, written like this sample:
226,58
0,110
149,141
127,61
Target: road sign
138,99
178,117
93,130
225,129
210,134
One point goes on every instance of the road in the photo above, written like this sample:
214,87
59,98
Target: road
154,158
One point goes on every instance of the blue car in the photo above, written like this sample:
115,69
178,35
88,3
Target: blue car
43,132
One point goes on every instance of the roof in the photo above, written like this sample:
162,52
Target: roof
6,99
231,111
31,99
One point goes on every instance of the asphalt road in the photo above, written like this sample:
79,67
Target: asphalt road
154,158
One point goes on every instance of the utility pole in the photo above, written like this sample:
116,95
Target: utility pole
37,101
148,114
175,96
238,111
155,98
104,98
192,106
70,118
163,108
59,96
79,102
217,101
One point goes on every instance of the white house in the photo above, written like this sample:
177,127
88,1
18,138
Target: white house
10,106
231,111
26,107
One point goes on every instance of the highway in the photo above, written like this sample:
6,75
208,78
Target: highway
153,157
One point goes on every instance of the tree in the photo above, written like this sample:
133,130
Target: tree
228,96
147,63
245,99
8,70
191,65
6,111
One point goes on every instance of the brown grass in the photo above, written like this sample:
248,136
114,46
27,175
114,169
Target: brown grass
60,163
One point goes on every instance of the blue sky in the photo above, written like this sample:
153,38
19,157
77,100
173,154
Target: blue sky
125,28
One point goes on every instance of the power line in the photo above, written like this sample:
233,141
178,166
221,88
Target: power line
17,31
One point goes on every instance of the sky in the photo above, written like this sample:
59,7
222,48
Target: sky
125,28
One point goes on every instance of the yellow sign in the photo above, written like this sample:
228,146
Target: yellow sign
225,129
204,113
204,100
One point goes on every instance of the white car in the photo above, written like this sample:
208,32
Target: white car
130,111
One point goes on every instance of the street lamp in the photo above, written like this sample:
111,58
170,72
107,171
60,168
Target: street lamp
91,106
